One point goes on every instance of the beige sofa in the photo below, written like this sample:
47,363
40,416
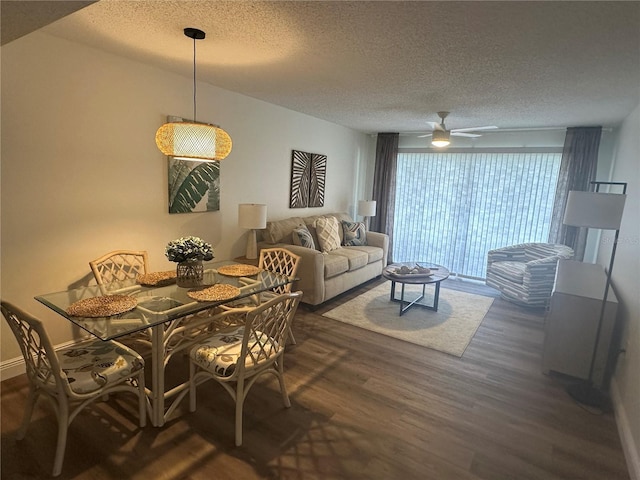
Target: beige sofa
326,275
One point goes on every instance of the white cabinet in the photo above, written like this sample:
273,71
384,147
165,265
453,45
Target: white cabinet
572,322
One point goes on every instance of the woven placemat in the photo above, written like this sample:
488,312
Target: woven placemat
157,279
102,306
214,293
239,270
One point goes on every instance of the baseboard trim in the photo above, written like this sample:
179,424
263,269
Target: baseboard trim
11,368
629,447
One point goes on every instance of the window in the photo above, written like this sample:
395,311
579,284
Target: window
451,208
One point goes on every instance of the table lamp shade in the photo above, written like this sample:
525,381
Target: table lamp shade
594,210
367,208
252,215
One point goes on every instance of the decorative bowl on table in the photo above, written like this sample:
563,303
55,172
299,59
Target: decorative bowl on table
406,271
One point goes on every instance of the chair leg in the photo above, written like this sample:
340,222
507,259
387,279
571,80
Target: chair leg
239,410
283,387
192,387
291,337
28,412
63,425
142,400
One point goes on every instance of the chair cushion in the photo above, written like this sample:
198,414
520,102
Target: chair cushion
219,352
91,365
512,271
354,233
302,236
328,236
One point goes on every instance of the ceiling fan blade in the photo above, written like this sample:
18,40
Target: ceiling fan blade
473,129
425,135
463,134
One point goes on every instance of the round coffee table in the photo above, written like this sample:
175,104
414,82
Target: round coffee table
437,275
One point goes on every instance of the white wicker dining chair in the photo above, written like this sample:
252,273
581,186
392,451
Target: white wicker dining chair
277,260
80,374
119,265
238,355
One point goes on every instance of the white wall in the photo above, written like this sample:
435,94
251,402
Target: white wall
81,174
626,281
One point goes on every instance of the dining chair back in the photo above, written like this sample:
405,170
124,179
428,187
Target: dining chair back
80,374
119,265
282,261
238,355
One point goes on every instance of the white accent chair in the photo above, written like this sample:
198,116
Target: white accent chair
525,273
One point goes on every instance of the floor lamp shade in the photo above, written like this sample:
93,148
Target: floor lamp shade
594,210
252,216
367,208
603,211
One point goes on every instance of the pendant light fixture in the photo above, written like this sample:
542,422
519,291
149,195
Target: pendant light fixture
193,139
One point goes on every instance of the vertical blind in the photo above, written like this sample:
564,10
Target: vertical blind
451,208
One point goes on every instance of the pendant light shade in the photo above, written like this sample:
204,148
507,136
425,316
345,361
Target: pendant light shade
193,139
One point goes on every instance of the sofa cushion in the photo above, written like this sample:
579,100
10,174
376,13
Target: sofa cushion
335,265
280,230
357,258
374,254
354,233
327,231
513,271
302,236
340,216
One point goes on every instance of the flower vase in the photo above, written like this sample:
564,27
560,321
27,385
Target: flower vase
189,274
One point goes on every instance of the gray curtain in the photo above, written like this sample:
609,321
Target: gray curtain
577,170
384,186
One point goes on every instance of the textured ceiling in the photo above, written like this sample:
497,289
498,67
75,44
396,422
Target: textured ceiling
390,66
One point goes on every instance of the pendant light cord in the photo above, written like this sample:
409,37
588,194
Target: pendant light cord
194,80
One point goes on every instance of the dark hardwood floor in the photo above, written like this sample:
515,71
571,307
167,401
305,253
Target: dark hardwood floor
364,406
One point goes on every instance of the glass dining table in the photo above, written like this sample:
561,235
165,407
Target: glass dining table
166,316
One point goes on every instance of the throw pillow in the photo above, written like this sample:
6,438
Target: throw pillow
328,236
302,236
355,233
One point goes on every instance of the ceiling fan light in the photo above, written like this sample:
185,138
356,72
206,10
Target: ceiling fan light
440,138
193,140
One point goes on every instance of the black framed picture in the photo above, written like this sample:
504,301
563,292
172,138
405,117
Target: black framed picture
308,174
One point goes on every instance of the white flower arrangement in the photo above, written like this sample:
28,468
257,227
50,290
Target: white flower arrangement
188,248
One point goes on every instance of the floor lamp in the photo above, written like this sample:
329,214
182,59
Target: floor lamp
252,216
604,211
366,209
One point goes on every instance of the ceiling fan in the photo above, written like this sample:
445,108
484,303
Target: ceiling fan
441,135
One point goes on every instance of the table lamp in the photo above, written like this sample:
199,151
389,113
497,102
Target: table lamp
366,209
604,211
252,216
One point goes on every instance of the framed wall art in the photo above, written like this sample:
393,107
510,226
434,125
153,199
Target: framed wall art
194,186
308,173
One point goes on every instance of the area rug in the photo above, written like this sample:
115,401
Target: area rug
448,330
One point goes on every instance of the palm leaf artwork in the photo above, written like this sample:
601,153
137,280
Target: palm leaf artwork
189,182
317,176
300,179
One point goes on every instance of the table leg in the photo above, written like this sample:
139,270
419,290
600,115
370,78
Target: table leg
402,301
436,296
157,376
